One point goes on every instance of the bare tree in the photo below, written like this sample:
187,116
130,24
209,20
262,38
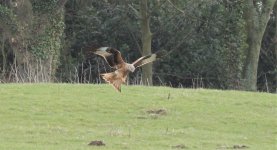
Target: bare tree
30,25
257,14
146,41
275,40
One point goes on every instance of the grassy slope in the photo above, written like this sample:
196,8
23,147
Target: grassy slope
64,116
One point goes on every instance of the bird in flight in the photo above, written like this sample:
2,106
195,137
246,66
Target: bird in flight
113,57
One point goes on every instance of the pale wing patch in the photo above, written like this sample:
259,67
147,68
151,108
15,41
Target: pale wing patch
145,60
103,48
149,58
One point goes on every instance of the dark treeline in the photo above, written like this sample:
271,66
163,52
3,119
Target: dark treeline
212,44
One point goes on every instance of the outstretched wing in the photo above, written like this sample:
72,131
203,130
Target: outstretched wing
112,56
149,58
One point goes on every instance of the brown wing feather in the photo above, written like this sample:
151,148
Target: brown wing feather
148,59
111,56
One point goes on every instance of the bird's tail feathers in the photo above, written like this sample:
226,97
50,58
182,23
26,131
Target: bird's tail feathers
112,79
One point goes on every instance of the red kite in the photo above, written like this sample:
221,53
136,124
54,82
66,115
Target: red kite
113,58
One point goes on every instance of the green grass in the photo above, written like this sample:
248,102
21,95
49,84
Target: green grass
68,117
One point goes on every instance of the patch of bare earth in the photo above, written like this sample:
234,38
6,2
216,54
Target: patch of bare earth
97,143
156,113
180,146
232,147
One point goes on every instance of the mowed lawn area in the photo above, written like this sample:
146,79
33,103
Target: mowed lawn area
70,116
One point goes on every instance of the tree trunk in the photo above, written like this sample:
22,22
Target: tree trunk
276,64
4,61
146,42
19,42
37,44
251,65
255,25
275,40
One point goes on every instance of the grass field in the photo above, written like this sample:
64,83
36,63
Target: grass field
70,116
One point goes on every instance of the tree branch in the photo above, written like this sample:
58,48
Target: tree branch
267,10
169,1
135,10
59,6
